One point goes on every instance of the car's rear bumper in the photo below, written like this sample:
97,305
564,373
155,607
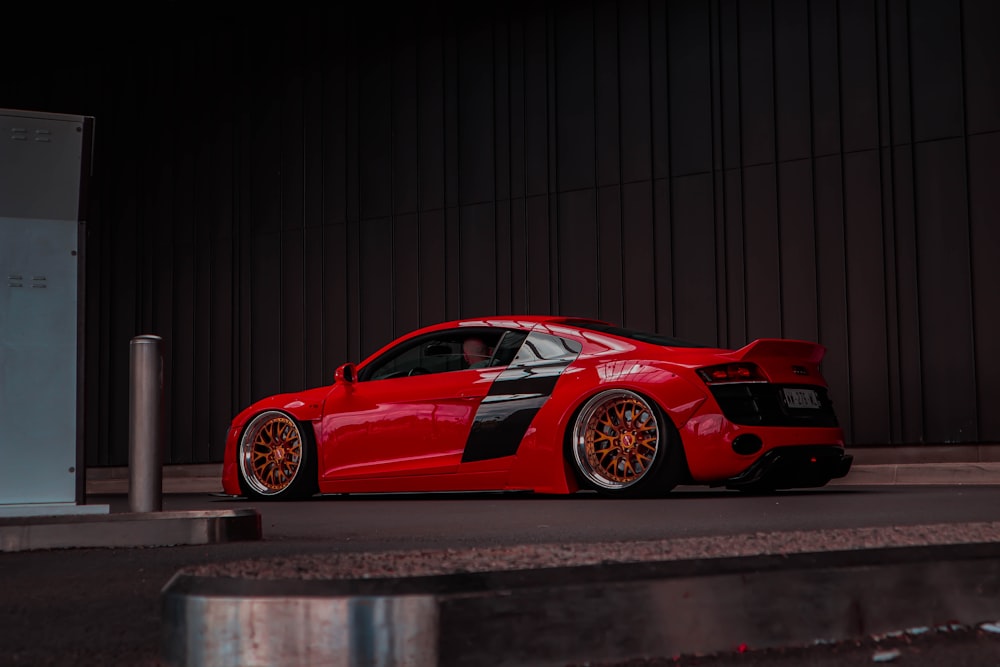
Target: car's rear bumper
794,467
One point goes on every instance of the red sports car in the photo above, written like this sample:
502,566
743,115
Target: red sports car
550,405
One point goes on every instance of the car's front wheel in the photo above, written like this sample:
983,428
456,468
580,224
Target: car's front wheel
623,445
276,458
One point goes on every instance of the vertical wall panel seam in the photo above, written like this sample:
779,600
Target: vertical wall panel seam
740,170
916,220
597,178
348,322
843,221
526,287
968,218
281,240
190,453
106,355
718,171
145,272
304,266
444,162
818,313
510,164
355,224
234,287
669,177
191,334
460,279
671,245
621,172
496,150
552,143
888,218
321,139
210,361
323,204
245,342
419,184
392,188
652,154
171,336
777,173
280,287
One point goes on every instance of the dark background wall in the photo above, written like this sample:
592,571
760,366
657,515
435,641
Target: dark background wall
280,190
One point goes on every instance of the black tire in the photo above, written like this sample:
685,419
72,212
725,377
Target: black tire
623,445
276,458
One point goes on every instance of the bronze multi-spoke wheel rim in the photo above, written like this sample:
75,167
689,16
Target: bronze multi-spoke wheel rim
615,439
271,453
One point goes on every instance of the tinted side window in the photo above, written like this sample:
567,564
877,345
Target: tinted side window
441,352
421,357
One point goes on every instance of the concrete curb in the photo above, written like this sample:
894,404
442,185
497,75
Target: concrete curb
559,616
129,529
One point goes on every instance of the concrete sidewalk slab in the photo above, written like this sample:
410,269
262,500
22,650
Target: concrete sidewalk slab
183,478
922,473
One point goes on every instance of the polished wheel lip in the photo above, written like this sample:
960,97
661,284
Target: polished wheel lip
261,463
631,439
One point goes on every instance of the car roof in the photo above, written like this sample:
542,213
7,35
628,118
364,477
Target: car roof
522,322
517,320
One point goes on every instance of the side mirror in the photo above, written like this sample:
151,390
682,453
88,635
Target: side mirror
345,374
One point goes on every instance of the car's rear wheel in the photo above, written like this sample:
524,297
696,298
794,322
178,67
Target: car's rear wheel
276,458
623,445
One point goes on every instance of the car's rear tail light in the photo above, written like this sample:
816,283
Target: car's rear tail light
740,372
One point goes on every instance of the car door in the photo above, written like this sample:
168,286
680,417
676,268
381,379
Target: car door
410,413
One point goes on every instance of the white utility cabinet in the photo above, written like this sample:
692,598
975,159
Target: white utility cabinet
44,169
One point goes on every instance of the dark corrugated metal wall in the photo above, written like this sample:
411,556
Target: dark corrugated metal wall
277,195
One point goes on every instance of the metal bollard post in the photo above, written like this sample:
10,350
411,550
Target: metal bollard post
145,415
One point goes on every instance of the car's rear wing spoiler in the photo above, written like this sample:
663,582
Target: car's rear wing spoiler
782,348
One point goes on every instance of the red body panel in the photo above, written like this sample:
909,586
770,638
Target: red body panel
412,433
389,429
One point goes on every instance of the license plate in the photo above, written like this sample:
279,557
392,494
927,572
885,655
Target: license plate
801,398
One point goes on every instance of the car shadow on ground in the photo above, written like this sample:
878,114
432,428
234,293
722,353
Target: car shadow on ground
590,496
